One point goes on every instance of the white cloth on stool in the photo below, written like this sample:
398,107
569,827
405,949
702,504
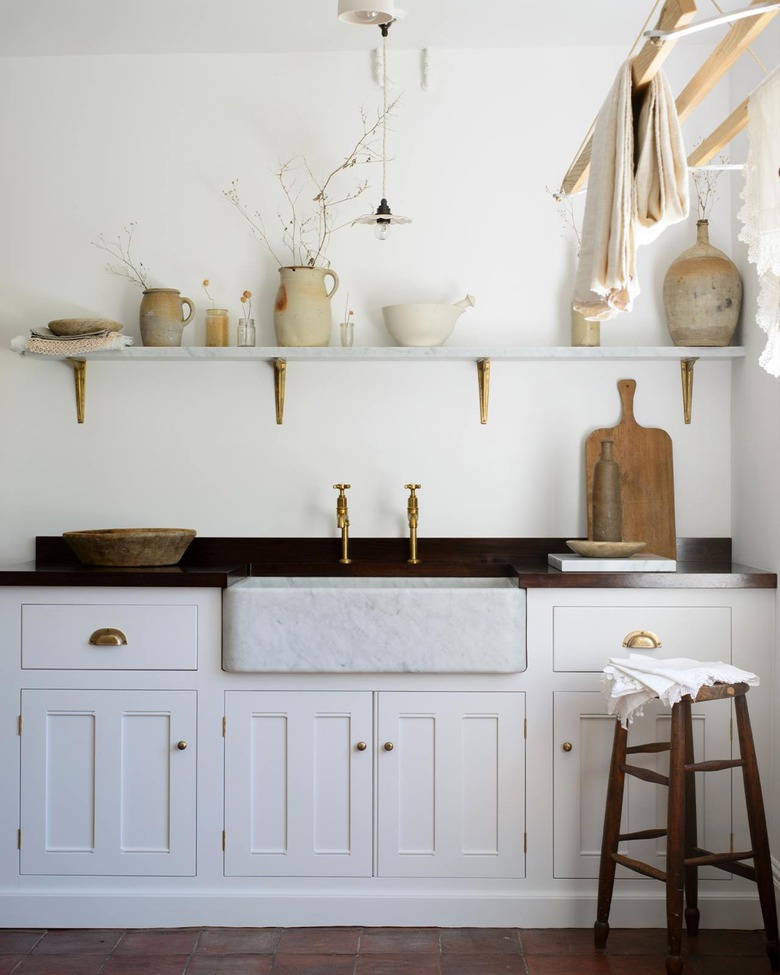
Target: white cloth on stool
628,206
760,214
630,682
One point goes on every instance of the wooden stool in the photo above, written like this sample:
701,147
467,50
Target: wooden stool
683,855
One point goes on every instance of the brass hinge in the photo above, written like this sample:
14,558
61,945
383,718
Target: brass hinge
731,729
525,727
525,842
223,839
19,839
731,842
224,725
20,725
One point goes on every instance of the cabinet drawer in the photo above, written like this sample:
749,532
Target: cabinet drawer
56,637
585,637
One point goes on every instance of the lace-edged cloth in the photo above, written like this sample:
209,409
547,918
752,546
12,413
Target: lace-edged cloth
630,682
760,213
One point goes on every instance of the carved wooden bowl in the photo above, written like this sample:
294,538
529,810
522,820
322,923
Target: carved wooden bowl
130,546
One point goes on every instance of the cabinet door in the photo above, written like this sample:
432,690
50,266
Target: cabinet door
582,747
105,787
298,783
452,786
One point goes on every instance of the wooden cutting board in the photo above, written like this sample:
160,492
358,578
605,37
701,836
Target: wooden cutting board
644,455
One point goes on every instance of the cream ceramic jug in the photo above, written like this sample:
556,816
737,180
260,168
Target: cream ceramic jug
302,315
162,316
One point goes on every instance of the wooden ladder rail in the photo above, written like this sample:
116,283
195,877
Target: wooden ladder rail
739,37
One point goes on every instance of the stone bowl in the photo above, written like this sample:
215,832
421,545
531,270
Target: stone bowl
605,550
130,546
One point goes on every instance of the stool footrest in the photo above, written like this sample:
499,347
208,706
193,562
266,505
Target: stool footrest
639,867
645,773
715,765
642,834
648,747
730,862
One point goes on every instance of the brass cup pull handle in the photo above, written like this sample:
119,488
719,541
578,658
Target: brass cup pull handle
389,746
181,745
567,746
108,636
642,640
361,746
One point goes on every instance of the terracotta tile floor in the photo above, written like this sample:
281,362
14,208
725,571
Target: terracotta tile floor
370,951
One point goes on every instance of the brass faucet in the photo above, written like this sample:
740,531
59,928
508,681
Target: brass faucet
412,511
342,521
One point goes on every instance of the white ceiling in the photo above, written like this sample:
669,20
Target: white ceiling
52,27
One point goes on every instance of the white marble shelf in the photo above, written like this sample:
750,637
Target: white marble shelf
518,353
279,357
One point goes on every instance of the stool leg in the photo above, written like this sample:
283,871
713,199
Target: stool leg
611,835
758,835
691,873
675,843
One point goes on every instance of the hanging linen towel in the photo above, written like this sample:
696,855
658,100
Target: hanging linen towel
630,682
626,204
760,213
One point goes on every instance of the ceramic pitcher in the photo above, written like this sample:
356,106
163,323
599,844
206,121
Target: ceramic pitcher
302,314
162,316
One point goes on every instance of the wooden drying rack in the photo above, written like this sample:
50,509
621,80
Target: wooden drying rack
674,15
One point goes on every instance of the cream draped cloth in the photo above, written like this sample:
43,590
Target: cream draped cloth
628,203
630,682
760,213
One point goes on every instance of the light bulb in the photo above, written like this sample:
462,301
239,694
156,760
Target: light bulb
382,229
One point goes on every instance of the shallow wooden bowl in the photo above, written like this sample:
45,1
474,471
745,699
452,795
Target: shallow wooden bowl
83,326
130,546
605,550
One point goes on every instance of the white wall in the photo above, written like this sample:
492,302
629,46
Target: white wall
89,144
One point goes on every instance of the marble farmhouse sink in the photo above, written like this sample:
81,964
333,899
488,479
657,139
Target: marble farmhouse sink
340,625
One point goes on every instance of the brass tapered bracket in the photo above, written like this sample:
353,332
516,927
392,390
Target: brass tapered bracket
280,375
686,375
483,378
80,379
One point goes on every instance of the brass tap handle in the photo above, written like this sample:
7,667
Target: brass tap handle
413,515
342,521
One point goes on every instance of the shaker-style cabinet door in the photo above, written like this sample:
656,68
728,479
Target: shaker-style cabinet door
298,783
108,782
582,746
451,784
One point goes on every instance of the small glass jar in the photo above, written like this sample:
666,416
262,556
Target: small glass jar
217,326
246,332
347,334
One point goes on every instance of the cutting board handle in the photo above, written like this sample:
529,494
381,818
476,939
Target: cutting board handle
626,389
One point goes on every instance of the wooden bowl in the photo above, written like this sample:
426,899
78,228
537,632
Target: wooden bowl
83,326
605,550
130,546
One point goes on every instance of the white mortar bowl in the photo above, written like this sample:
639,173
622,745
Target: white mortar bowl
423,323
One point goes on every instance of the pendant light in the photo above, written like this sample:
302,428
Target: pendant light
383,217
359,12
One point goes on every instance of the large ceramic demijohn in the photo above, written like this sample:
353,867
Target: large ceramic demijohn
302,315
702,294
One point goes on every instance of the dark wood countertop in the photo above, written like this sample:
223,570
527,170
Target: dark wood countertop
217,562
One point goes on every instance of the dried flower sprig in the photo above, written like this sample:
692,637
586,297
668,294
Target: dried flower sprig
568,219
206,289
307,236
348,313
705,184
246,299
119,249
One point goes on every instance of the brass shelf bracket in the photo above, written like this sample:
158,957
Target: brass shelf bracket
280,376
80,380
483,378
686,375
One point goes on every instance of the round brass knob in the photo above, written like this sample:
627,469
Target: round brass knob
361,746
389,746
181,745
567,746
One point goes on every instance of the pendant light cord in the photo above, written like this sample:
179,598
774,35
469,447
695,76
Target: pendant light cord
384,113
